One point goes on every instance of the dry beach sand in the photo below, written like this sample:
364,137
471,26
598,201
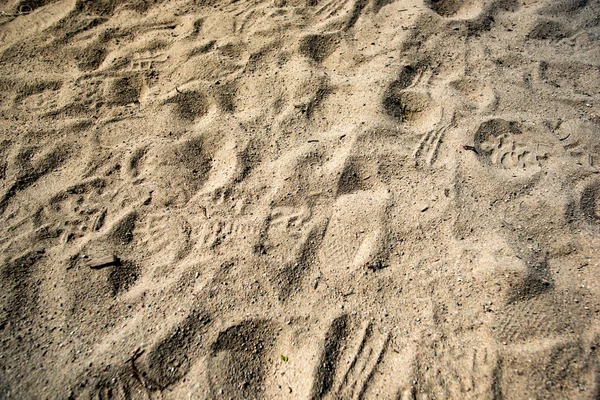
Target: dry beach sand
300,199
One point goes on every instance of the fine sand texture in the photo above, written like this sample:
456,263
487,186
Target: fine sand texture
300,199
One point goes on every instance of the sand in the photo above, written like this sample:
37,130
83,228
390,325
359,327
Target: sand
300,199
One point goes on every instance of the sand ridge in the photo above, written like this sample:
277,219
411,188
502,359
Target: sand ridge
320,199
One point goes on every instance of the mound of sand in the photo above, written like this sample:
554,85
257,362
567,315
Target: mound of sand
311,199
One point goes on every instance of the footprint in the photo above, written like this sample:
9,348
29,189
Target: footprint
463,366
148,60
497,144
589,203
328,361
579,140
410,106
319,46
561,7
92,56
406,78
355,237
568,77
29,168
189,105
77,208
356,175
566,365
166,237
305,173
122,277
228,166
39,18
464,9
301,263
117,383
365,361
178,169
237,363
584,211
18,284
135,159
120,231
172,358
124,90
548,30
477,94
548,315
234,234
39,96
289,217
285,228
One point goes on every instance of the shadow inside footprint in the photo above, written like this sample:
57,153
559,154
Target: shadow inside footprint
454,8
318,47
173,357
237,367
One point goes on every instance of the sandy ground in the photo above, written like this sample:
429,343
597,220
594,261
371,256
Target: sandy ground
300,199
